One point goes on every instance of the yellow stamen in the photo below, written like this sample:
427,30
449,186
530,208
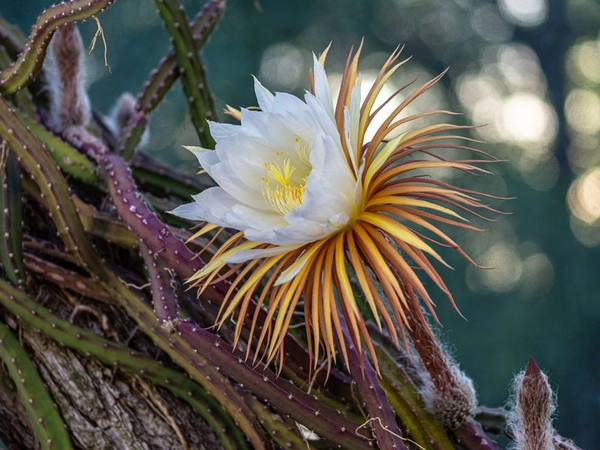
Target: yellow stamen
284,196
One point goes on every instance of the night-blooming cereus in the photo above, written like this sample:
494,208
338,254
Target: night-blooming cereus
320,211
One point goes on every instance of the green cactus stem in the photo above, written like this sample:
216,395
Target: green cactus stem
283,434
45,418
103,225
29,62
11,230
397,377
69,160
162,78
53,187
193,77
280,394
112,353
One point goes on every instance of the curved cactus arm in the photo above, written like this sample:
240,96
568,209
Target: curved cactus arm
11,229
192,72
45,418
112,353
66,157
35,158
196,364
132,209
57,195
103,225
284,435
29,63
164,76
373,397
164,298
23,98
280,394
396,367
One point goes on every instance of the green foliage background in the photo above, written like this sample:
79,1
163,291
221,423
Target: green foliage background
547,307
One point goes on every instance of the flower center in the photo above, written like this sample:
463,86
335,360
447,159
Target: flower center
278,189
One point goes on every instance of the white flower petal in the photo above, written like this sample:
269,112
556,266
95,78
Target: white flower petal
189,211
263,95
248,164
219,130
247,255
322,90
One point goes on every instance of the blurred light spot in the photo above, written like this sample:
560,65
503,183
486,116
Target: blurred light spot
588,235
482,96
541,173
538,275
489,24
583,60
282,67
506,269
582,109
443,26
527,13
583,152
526,118
520,67
583,197
473,88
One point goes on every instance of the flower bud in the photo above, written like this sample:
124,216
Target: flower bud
70,105
531,415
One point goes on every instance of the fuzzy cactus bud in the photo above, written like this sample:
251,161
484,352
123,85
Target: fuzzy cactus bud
123,111
447,391
531,415
70,105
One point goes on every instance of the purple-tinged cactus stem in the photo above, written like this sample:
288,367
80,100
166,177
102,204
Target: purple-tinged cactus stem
471,436
289,400
164,297
373,396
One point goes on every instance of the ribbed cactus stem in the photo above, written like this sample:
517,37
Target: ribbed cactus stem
164,297
193,77
162,78
116,354
26,67
282,395
374,398
45,418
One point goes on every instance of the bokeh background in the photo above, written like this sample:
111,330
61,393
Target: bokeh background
527,69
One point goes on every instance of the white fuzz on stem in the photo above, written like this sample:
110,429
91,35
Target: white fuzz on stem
70,105
531,414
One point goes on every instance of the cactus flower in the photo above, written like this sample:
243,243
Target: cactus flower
320,210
